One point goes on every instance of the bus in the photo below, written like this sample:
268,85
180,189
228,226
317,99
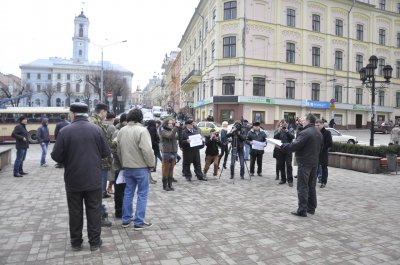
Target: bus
9,119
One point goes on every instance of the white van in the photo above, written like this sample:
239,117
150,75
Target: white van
157,111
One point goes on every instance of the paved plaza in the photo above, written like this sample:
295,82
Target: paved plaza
214,222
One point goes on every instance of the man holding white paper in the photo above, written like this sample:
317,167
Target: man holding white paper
257,139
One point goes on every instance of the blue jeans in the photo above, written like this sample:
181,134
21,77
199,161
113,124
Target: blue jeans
19,160
246,151
104,174
235,154
44,153
135,177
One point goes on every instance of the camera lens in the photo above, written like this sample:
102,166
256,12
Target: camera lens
283,128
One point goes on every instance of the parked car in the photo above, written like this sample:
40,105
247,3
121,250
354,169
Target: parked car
206,126
148,116
164,114
342,138
384,127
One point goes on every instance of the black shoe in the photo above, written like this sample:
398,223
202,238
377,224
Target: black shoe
106,195
301,214
282,182
241,177
319,180
142,226
174,180
231,177
202,179
290,184
295,177
224,166
118,215
104,221
59,166
76,248
18,176
323,185
259,174
277,178
153,170
311,211
188,178
251,174
23,173
96,247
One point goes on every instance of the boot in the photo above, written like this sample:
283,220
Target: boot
170,180
165,184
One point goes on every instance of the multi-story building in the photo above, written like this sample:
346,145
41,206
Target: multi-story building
265,60
137,97
171,67
59,82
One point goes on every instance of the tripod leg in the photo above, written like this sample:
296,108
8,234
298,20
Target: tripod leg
248,172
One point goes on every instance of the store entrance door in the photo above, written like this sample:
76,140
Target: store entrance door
358,121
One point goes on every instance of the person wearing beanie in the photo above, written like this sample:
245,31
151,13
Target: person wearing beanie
80,147
21,144
43,137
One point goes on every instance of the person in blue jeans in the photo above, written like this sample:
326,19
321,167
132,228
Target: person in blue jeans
21,144
43,137
137,159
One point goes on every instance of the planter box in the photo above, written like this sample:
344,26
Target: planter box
362,163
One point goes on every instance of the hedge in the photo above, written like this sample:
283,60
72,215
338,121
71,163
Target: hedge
380,151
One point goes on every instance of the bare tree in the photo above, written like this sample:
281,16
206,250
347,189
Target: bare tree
18,91
49,91
87,93
68,93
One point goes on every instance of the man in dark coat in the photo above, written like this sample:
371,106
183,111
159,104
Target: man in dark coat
307,146
190,154
238,135
256,134
61,124
284,158
80,148
21,144
323,155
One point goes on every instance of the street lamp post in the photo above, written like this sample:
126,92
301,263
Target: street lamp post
367,76
102,66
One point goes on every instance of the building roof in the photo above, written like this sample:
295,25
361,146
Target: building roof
82,15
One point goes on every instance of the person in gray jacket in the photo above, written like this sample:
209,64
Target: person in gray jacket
306,146
80,147
169,137
43,137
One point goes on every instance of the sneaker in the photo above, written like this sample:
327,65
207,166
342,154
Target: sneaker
96,247
142,226
44,165
127,224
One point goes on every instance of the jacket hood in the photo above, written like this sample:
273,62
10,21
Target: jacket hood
44,121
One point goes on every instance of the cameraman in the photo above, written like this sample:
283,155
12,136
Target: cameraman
284,157
212,144
238,136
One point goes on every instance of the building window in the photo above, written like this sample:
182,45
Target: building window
398,41
48,76
316,55
397,99
291,17
259,86
359,96
78,88
259,116
315,91
68,76
339,27
382,4
360,32
398,69
229,47
230,10
359,62
212,52
212,87
38,88
194,43
381,98
316,23
58,87
205,58
290,52
228,85
38,76
381,64
80,52
290,89
58,76
382,36
338,94
206,26
80,30
338,60
28,75
214,16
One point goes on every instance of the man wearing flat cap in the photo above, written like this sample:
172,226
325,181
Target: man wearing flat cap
98,119
190,154
80,147
256,134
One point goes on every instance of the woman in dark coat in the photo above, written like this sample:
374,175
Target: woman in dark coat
155,141
323,155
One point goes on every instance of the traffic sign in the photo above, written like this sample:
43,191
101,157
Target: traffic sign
109,94
332,107
332,101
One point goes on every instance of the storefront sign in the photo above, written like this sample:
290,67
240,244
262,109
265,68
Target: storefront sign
203,102
317,104
361,107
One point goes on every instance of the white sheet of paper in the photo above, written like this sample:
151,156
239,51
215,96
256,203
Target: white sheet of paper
195,140
120,178
274,141
258,145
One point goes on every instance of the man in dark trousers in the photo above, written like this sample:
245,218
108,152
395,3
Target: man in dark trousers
306,146
80,148
190,154
238,135
256,134
21,144
323,156
284,158
61,124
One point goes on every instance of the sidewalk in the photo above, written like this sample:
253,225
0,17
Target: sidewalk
214,222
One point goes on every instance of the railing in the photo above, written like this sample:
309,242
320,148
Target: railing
192,73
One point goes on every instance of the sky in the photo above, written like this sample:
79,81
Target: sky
41,29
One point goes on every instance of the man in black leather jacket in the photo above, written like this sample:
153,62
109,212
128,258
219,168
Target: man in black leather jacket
238,136
307,146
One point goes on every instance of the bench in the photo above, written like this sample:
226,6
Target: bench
5,156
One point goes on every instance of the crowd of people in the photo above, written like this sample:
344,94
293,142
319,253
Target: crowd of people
99,149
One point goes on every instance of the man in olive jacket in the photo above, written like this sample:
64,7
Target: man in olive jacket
80,147
307,146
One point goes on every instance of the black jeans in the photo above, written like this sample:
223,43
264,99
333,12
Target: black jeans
284,163
224,151
253,159
324,177
92,200
306,181
189,157
119,190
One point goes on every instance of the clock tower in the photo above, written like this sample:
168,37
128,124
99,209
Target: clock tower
81,39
